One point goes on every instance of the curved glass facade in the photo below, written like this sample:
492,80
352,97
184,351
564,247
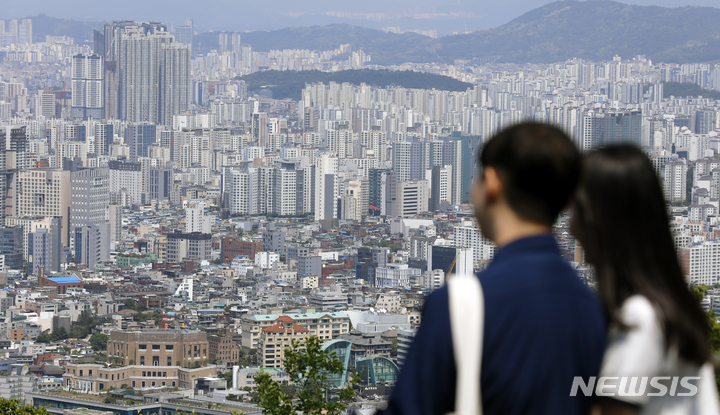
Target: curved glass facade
372,370
377,369
342,350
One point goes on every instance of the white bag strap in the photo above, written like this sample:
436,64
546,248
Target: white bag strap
467,318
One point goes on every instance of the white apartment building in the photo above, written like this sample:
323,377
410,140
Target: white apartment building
395,275
196,221
44,192
185,289
434,279
327,187
125,177
88,86
700,262
326,326
412,197
352,206
90,196
266,260
284,185
675,180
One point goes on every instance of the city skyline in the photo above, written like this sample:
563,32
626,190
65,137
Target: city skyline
177,207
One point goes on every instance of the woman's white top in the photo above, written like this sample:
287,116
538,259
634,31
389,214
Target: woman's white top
639,370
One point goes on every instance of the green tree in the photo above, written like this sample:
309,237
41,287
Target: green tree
699,292
98,341
79,332
393,347
249,359
13,406
131,304
59,333
86,318
310,369
83,326
44,337
228,378
149,315
271,398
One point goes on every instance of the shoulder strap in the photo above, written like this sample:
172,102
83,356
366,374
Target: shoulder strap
467,318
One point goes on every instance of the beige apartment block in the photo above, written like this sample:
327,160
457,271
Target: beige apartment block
278,337
95,378
326,326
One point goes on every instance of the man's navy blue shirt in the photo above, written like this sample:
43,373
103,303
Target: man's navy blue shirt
543,326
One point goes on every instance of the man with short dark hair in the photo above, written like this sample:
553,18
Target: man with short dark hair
542,326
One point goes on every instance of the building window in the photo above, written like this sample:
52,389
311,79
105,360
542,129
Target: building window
142,360
169,361
142,347
156,360
155,347
168,347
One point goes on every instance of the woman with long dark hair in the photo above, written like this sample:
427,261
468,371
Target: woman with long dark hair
657,327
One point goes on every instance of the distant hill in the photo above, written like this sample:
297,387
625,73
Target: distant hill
685,89
289,84
593,30
44,25
328,37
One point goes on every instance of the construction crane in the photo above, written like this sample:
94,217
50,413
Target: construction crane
447,275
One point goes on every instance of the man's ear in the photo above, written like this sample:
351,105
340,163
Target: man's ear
493,185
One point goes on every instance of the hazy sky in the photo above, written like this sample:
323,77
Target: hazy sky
444,15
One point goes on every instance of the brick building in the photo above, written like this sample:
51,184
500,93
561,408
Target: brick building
62,283
336,267
223,348
233,246
184,348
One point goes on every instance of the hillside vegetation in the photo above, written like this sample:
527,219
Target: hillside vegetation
44,25
683,90
289,84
